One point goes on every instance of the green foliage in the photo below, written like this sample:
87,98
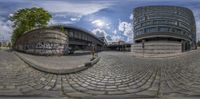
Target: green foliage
198,43
9,44
27,19
62,29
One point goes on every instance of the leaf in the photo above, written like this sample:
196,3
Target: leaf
27,19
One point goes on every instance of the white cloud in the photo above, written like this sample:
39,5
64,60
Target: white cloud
197,21
99,32
129,40
116,38
99,23
74,19
63,15
115,32
126,28
102,33
131,17
73,12
10,15
67,17
58,22
108,26
5,29
81,8
198,29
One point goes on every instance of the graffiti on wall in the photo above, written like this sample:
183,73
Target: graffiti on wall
40,42
48,45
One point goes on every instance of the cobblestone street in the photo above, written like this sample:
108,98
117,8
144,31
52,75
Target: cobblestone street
116,75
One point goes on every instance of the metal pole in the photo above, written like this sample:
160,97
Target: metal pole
143,47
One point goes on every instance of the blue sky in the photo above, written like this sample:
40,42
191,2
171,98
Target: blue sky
109,18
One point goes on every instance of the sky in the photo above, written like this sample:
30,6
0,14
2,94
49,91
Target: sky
109,18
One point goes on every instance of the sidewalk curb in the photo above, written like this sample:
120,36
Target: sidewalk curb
59,71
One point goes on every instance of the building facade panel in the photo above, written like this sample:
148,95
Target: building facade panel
164,23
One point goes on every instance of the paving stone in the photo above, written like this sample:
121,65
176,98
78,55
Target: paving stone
47,87
1,87
116,92
13,92
147,93
69,90
77,94
96,92
10,87
43,79
115,74
111,87
24,89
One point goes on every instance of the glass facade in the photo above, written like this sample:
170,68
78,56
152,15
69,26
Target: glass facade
164,20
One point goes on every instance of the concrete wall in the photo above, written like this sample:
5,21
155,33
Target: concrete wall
157,48
43,42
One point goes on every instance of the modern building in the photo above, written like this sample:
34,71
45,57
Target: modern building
104,40
163,30
119,46
57,40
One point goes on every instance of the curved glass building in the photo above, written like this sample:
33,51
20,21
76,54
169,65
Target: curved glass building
163,29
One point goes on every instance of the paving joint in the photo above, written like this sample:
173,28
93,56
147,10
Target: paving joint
60,71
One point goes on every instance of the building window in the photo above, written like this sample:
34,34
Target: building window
173,22
79,35
152,29
173,30
183,32
71,34
178,31
163,29
137,26
139,32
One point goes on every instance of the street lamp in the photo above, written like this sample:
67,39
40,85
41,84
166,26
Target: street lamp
92,50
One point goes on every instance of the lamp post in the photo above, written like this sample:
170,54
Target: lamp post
143,47
0,41
0,45
92,50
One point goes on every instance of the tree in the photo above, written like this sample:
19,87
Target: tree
0,45
9,45
198,43
27,19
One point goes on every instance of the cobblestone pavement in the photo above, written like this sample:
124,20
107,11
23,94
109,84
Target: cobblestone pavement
57,64
116,75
